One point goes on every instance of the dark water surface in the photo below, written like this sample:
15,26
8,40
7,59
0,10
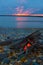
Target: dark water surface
21,22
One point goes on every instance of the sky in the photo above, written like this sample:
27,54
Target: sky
21,6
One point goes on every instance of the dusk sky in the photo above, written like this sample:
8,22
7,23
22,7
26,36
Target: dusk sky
11,7
16,6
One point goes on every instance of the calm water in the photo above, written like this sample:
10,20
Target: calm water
21,22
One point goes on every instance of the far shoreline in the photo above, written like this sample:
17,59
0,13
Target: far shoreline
24,15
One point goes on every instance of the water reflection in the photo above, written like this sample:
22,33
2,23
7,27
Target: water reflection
30,25
21,22
21,19
29,22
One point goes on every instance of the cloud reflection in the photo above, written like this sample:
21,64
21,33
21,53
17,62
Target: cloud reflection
21,19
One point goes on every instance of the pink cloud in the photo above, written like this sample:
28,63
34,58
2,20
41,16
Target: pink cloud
21,10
